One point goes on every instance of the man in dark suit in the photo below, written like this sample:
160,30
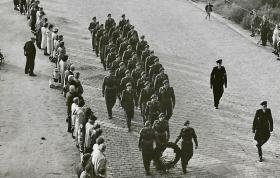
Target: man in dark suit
217,81
262,126
30,53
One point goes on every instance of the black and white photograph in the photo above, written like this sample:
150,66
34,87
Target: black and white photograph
139,88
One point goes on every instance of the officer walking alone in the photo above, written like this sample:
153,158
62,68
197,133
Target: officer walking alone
187,134
145,144
109,90
217,81
262,126
30,53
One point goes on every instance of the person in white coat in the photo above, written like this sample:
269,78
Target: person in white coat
276,39
63,65
54,38
44,38
49,39
99,161
74,108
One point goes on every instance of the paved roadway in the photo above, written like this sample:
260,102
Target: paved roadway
188,47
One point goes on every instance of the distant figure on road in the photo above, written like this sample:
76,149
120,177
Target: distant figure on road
93,29
262,126
217,80
253,13
208,9
145,144
30,53
187,134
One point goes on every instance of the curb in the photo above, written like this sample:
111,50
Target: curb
235,27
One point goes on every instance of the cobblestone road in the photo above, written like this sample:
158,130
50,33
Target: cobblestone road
188,47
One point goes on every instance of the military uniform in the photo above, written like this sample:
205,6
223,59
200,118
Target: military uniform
104,40
98,36
109,23
144,97
132,64
92,28
262,126
145,54
140,47
109,90
149,61
141,83
125,80
128,101
161,128
167,101
136,73
111,57
154,70
187,134
217,80
126,56
160,78
152,111
145,143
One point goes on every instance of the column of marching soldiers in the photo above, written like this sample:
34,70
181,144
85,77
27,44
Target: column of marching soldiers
81,120
138,81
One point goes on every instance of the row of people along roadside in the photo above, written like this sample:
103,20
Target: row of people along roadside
81,121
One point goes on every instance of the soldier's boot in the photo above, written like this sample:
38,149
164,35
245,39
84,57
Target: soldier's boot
260,152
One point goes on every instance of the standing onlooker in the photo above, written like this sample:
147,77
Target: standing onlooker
262,126
54,37
44,38
264,30
74,108
33,18
276,39
63,65
88,143
187,134
99,161
69,101
30,53
253,13
208,9
49,40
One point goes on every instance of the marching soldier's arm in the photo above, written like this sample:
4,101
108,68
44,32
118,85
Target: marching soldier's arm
140,139
225,77
173,97
255,122
103,86
195,138
212,78
179,137
270,121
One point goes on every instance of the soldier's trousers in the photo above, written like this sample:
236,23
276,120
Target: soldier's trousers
147,156
167,109
93,41
259,145
110,98
129,111
218,93
29,66
186,154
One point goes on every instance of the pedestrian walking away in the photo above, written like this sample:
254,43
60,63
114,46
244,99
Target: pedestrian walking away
30,53
262,126
208,9
187,134
217,81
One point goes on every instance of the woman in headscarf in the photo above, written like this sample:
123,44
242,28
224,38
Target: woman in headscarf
44,38
49,39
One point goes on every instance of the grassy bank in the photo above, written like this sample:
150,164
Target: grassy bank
239,10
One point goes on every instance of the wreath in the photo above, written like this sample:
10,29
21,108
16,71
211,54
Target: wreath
162,162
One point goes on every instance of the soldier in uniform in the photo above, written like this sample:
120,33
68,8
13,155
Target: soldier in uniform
152,109
126,28
123,47
166,99
133,40
111,57
116,63
141,82
154,69
120,74
132,62
136,73
144,97
122,22
109,23
91,28
109,90
187,134
128,101
104,40
262,126
127,55
161,128
99,34
146,52
127,79
160,78
217,80
141,45
150,61
145,144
